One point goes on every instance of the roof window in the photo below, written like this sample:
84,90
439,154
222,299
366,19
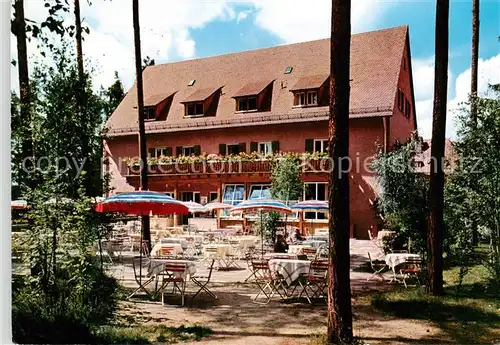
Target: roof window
288,70
191,82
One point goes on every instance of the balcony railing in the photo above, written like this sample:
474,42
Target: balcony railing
319,164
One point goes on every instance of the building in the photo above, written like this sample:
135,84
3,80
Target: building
267,100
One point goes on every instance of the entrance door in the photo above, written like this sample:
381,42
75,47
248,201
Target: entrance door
189,196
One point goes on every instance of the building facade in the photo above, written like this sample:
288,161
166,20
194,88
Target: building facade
214,125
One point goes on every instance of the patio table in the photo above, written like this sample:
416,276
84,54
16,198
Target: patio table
198,239
314,243
297,248
182,241
283,256
394,259
245,241
289,269
176,246
223,250
157,266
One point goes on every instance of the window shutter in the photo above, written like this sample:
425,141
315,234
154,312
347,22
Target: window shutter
151,152
254,146
178,151
242,147
169,152
275,145
222,149
197,150
310,145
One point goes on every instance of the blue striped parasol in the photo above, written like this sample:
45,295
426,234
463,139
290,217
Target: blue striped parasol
311,206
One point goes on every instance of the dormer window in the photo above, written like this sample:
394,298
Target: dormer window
246,104
194,109
149,113
254,96
306,98
202,102
310,91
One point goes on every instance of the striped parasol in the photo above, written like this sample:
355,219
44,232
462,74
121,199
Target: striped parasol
311,206
218,206
142,203
194,207
261,205
18,204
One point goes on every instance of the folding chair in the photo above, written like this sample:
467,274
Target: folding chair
212,253
141,266
411,268
316,279
248,258
166,251
174,273
310,252
203,281
377,268
267,283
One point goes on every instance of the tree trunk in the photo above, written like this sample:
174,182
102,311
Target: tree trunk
473,87
436,190
140,110
339,289
19,30
78,36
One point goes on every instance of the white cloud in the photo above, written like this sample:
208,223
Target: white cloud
242,15
295,22
164,32
423,73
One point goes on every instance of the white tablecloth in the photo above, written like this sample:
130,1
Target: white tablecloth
245,241
297,248
182,241
223,250
314,243
290,269
177,248
270,256
198,239
394,259
384,233
157,266
321,232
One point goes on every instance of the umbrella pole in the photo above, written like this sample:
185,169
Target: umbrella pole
261,236
140,259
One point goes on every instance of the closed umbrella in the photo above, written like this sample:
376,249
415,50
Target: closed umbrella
261,206
218,206
195,207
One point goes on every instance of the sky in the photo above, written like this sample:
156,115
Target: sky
174,30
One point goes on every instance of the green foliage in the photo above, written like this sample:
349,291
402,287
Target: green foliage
285,180
268,225
403,203
67,293
114,95
473,191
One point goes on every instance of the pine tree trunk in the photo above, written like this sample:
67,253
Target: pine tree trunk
339,289
140,109
436,190
19,30
473,87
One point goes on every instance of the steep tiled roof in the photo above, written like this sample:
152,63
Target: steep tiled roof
375,64
253,88
309,82
200,95
156,99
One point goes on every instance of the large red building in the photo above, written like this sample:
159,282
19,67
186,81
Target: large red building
268,100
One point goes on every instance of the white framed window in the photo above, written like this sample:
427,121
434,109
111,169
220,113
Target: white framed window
258,191
315,191
149,113
170,194
191,196
266,148
246,104
233,195
312,97
157,152
188,150
320,145
194,109
233,149
304,98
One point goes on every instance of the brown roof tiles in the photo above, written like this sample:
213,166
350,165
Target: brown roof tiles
375,63
310,82
253,88
200,95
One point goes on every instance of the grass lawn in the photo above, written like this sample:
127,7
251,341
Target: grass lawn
468,315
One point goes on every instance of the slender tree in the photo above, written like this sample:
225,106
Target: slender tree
19,30
339,289
473,86
436,189
140,110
